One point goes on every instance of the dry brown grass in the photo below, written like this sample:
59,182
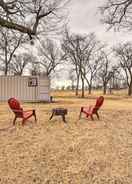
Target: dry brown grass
79,152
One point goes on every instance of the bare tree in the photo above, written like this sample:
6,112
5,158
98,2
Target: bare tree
9,42
50,56
28,61
19,63
72,78
88,54
82,52
117,14
35,68
70,46
72,60
107,71
124,54
118,80
14,13
92,60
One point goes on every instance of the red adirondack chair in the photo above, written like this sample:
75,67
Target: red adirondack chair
89,111
19,112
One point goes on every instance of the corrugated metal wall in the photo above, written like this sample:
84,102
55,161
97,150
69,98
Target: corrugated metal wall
17,86
44,88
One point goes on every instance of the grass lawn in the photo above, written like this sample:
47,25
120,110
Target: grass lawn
79,152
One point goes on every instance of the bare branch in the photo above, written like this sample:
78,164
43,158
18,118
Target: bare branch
14,14
117,14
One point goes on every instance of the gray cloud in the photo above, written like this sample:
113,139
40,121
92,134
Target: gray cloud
85,18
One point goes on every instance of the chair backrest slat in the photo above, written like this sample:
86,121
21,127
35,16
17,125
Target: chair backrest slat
15,107
99,103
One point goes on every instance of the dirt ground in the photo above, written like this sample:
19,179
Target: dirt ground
79,152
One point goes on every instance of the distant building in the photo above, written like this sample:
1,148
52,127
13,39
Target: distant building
25,88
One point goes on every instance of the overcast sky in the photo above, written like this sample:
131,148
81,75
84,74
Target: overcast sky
85,18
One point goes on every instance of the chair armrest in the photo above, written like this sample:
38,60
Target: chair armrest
88,107
31,110
15,110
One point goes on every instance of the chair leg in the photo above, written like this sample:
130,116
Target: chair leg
51,116
80,112
63,117
14,120
34,114
23,122
91,117
87,115
97,115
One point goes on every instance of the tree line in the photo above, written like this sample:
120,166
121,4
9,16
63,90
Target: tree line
90,61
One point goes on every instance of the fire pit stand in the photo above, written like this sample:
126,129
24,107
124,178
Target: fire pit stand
59,112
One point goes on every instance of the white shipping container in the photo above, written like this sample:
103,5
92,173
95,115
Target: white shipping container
25,88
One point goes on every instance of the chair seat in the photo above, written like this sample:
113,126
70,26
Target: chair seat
27,114
88,110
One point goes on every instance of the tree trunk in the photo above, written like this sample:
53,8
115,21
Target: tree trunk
82,88
6,59
110,90
72,87
90,89
77,86
6,70
130,89
104,89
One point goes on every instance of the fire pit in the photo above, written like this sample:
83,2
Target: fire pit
59,112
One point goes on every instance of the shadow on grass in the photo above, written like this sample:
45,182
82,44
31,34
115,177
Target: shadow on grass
11,128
